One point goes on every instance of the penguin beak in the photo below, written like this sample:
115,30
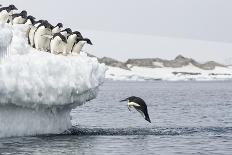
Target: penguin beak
124,100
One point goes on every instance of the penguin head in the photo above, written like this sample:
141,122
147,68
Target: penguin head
60,25
24,14
47,24
68,30
31,18
12,7
88,41
78,34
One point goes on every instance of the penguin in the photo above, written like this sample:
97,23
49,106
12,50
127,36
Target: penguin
71,41
6,12
32,32
42,36
58,44
139,104
19,18
66,32
30,20
78,45
57,28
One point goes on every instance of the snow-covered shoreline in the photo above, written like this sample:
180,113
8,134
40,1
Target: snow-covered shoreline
179,69
168,74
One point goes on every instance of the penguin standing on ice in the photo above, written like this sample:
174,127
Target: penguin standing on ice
72,40
58,44
32,30
57,28
139,105
6,12
78,45
41,38
19,18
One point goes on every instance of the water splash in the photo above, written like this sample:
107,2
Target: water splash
159,131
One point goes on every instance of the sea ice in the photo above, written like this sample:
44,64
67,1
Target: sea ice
39,89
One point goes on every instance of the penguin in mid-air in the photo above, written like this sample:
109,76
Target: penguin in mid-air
6,12
139,105
19,18
58,44
78,45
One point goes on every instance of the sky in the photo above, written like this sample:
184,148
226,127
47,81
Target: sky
109,21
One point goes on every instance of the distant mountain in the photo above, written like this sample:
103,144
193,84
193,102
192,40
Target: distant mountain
180,68
179,61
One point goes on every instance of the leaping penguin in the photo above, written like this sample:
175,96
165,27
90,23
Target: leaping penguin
139,105
19,18
57,28
6,12
58,44
78,45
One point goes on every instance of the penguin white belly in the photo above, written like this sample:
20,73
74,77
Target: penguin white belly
41,41
132,104
70,43
4,16
28,22
19,20
57,46
64,33
31,35
55,30
77,47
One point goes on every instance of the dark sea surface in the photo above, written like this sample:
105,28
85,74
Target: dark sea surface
187,118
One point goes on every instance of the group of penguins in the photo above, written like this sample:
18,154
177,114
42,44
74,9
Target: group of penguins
44,36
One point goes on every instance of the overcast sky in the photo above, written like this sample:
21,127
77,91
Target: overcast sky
208,20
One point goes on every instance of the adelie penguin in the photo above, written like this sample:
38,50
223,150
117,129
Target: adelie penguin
19,18
58,44
72,39
32,30
42,36
78,45
6,12
139,104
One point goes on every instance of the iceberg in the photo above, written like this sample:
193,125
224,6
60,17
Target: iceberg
38,90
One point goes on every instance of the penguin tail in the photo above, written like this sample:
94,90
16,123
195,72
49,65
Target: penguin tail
148,119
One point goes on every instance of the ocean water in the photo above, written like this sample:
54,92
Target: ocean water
187,118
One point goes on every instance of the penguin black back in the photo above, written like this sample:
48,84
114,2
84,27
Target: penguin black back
9,8
140,105
23,14
78,34
63,38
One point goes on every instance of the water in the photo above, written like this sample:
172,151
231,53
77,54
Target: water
187,118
